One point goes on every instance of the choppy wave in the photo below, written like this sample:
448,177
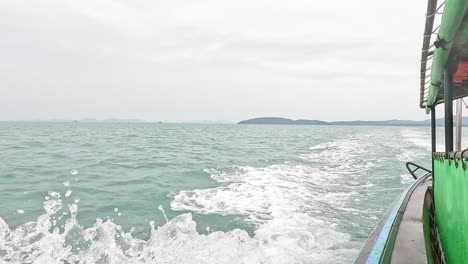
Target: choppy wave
280,200
418,145
406,178
287,203
417,137
57,237
298,208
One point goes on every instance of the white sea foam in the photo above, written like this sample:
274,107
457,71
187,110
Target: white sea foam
406,178
408,155
320,146
285,202
177,241
418,145
161,208
43,241
419,138
339,151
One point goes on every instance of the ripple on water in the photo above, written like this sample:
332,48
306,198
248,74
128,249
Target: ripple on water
303,195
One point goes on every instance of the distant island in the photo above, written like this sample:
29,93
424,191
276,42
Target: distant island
110,120
393,122
84,120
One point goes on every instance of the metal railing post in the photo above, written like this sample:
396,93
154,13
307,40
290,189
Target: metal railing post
459,124
448,112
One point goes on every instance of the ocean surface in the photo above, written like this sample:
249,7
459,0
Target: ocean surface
184,193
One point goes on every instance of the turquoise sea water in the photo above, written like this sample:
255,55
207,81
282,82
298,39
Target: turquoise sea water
101,192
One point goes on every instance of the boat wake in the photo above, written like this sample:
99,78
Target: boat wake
291,206
283,202
57,237
294,209
47,241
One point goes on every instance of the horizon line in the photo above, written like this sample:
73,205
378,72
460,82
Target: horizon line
138,120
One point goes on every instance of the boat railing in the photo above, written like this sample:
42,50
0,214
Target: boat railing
432,15
413,168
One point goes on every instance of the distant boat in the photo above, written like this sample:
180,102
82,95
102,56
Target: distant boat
428,223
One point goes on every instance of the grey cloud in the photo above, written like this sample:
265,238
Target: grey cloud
178,61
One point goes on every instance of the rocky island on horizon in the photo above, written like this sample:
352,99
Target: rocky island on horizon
393,122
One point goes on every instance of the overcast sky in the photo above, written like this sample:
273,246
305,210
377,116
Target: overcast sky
187,60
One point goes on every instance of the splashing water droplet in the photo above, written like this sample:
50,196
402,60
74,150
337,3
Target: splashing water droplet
20,211
116,209
119,214
77,200
66,184
54,194
68,193
161,208
132,229
208,229
54,204
73,172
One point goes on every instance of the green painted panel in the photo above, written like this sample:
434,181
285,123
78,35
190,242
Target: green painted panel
451,200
